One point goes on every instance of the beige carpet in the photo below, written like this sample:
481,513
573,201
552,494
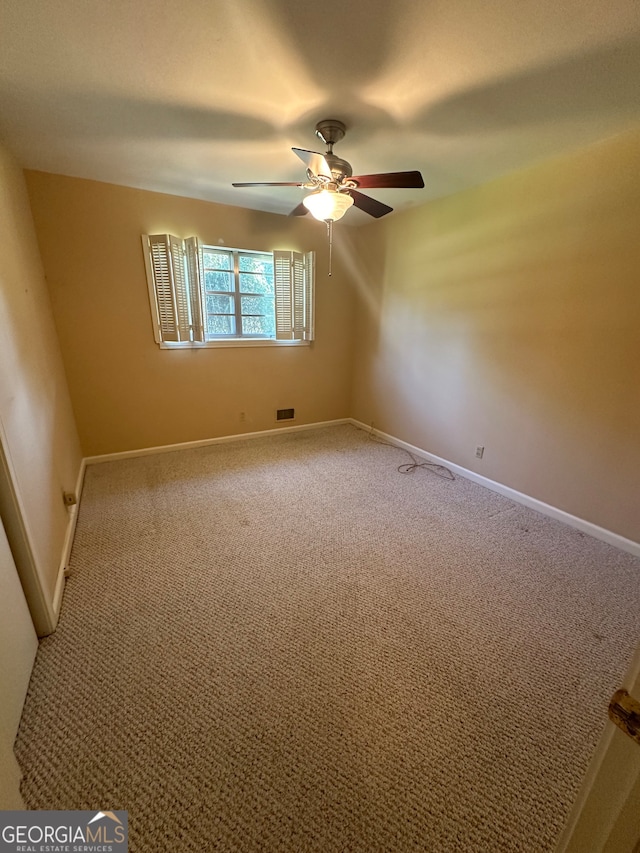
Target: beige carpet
284,644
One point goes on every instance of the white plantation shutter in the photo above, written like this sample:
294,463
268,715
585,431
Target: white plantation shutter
160,279
194,266
282,274
169,291
298,280
180,287
294,281
309,297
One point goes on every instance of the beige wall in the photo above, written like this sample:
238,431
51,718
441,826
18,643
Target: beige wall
37,427
128,393
506,316
509,316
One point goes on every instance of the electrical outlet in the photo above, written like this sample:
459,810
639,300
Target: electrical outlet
479,451
243,417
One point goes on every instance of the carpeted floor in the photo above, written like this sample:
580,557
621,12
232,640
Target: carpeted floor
284,645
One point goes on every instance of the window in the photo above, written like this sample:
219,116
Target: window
239,293
212,295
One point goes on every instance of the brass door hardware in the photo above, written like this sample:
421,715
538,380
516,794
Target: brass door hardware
624,711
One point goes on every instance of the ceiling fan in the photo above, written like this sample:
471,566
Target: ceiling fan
333,186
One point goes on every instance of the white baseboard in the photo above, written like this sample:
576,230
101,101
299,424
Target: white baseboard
80,481
533,503
68,541
57,593
189,445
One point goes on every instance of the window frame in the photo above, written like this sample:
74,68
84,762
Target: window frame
236,294
177,293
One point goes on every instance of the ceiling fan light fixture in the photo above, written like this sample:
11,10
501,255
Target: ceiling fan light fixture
327,205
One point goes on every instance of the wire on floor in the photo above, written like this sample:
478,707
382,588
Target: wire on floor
410,467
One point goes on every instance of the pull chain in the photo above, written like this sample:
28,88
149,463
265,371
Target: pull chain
330,233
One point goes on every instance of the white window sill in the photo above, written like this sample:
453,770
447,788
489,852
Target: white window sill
233,342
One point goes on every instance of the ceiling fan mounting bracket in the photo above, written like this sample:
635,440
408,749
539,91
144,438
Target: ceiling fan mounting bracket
330,131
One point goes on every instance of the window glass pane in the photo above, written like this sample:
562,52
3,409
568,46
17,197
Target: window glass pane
218,260
263,326
254,277
262,264
219,304
218,280
256,283
221,325
256,305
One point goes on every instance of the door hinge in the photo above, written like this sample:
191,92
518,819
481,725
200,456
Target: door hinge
624,711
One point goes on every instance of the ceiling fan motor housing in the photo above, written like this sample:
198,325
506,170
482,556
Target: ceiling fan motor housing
340,169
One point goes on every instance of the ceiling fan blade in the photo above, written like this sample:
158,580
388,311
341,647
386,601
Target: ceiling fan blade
270,184
390,180
370,205
314,161
300,210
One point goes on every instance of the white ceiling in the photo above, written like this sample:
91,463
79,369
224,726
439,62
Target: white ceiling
185,97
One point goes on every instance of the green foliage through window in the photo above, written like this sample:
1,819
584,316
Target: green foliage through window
239,293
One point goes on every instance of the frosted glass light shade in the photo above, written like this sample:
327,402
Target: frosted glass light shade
328,205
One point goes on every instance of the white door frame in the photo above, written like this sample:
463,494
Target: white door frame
606,815
10,775
13,518
18,647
